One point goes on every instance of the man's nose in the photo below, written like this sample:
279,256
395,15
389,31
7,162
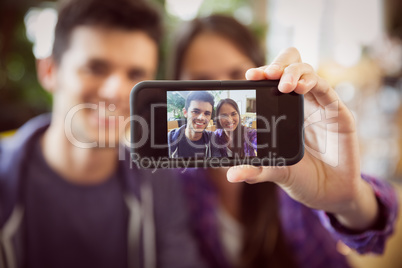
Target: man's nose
114,87
201,116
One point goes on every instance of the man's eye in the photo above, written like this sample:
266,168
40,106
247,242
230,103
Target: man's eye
195,112
97,69
137,75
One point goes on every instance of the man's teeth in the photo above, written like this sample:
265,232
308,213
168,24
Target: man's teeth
200,124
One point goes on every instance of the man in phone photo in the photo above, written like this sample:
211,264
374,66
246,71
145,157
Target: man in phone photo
192,139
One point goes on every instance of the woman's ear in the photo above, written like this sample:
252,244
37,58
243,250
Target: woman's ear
46,71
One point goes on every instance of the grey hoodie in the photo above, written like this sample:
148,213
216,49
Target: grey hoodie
158,234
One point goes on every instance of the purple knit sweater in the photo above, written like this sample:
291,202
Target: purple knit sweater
310,234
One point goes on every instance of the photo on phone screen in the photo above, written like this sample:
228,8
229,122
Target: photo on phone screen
221,123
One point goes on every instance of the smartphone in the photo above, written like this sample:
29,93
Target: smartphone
181,124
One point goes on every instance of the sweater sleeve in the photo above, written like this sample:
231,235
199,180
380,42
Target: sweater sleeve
372,240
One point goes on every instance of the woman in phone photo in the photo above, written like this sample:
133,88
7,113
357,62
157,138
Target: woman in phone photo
232,137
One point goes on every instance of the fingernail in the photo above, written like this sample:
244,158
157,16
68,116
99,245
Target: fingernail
249,72
230,176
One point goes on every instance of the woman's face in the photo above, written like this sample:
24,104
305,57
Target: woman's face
228,117
212,57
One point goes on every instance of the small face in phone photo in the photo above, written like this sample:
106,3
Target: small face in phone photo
198,112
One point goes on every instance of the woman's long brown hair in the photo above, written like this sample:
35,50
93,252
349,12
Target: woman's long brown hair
264,244
222,25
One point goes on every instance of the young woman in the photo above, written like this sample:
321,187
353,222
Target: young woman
263,225
232,138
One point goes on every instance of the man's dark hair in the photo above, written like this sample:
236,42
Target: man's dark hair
199,96
119,14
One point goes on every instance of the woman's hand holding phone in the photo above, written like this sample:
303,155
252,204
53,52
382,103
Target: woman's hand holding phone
328,177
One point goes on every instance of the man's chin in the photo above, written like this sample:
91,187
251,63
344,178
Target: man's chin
198,129
93,138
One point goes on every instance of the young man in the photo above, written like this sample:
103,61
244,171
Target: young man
192,139
65,198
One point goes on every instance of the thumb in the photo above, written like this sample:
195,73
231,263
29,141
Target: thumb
253,174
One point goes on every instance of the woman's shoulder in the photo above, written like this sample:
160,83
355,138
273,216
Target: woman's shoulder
218,131
251,132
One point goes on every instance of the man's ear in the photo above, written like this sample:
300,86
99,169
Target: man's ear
46,71
185,112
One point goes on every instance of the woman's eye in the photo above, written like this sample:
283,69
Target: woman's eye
200,77
137,75
237,75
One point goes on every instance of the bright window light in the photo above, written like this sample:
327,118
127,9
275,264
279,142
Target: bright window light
39,24
184,9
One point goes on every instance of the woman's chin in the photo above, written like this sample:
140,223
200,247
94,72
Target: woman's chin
231,128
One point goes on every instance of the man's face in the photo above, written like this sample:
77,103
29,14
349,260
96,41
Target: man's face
99,69
198,115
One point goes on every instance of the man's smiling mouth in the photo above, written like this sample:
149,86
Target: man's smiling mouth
199,125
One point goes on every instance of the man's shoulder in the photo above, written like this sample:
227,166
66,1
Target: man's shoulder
14,153
174,133
14,149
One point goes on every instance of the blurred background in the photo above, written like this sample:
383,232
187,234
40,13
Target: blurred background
355,44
